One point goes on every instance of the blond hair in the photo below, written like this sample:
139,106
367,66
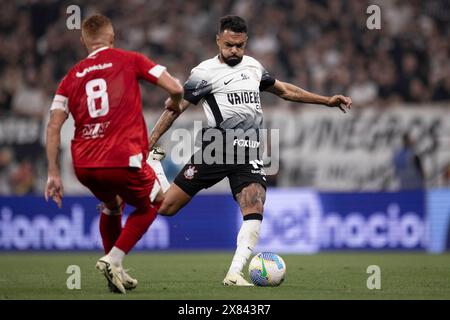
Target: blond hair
94,25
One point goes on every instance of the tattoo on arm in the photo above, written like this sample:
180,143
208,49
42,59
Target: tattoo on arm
165,122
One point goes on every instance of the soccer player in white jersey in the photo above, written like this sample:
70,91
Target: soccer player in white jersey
229,85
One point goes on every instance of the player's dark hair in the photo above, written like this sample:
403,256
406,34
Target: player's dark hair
233,23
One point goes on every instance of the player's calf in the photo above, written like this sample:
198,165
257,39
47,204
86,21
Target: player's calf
110,222
174,200
251,199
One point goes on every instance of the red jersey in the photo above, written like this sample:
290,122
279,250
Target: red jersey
102,94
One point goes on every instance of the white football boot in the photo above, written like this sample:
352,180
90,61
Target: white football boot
113,274
128,282
236,279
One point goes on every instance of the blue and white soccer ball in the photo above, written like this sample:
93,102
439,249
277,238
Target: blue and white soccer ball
267,269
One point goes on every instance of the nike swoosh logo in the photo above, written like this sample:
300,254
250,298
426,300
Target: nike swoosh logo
233,281
227,82
264,271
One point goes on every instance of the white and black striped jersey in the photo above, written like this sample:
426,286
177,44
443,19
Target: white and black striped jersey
231,95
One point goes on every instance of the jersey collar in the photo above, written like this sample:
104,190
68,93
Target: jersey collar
93,53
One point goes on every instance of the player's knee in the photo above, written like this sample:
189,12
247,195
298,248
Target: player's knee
113,207
113,204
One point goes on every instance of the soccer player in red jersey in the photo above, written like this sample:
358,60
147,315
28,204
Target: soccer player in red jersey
110,144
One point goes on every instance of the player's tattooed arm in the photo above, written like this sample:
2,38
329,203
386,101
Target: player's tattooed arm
165,122
293,93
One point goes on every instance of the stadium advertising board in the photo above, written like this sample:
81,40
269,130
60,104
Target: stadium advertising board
354,152
29,223
305,221
438,212
296,221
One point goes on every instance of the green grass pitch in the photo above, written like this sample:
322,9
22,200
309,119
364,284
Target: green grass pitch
198,276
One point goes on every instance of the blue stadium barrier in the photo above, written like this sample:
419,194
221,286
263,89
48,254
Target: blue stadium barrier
29,223
302,221
295,221
438,213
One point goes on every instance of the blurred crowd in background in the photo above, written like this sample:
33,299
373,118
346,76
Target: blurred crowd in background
323,46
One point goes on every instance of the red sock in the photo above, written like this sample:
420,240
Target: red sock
110,229
137,224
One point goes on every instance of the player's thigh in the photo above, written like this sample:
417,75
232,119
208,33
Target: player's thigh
194,177
94,180
174,199
140,187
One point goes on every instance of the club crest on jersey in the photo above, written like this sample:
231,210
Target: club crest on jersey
190,172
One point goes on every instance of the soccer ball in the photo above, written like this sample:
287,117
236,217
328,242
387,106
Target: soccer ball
267,269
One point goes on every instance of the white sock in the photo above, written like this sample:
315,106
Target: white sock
246,241
157,167
116,256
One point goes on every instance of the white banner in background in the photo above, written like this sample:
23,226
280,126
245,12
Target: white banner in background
328,150
333,151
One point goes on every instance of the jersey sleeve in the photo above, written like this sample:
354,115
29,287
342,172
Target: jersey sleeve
267,80
147,69
197,86
61,98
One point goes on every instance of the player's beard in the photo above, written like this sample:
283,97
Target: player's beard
231,61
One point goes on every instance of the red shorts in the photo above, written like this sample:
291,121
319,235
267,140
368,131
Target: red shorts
135,186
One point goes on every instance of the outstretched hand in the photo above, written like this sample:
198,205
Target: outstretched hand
54,190
341,102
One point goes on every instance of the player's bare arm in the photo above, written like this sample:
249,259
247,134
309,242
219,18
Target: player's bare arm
54,187
173,106
173,87
166,120
293,93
